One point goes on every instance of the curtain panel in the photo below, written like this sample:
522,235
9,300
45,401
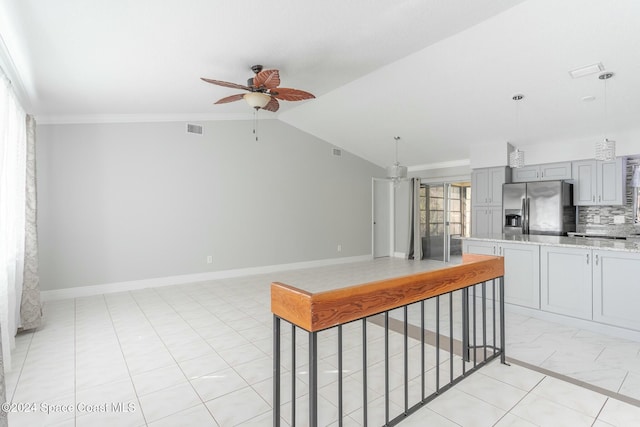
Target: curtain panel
19,285
415,239
30,308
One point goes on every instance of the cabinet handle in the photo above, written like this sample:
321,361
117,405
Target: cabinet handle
593,198
587,258
599,198
596,259
542,174
537,175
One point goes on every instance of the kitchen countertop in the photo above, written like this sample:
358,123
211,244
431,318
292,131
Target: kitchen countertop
575,242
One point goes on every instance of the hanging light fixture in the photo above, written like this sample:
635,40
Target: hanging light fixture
605,149
396,172
257,99
516,157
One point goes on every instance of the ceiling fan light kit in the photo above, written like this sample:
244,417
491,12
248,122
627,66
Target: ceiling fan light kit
257,100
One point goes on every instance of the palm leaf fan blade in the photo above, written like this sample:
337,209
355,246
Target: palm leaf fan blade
288,94
268,79
225,84
231,98
273,105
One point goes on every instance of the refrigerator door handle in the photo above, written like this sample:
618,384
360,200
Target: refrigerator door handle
528,206
524,216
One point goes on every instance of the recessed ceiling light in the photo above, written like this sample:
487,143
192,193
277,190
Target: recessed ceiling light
588,98
586,70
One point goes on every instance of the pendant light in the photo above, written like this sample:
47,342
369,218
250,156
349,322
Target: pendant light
605,149
396,172
516,157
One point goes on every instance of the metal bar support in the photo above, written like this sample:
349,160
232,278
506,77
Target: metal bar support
276,371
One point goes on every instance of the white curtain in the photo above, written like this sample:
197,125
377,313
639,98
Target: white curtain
12,215
30,309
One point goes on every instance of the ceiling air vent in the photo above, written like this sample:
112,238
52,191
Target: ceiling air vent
337,152
195,129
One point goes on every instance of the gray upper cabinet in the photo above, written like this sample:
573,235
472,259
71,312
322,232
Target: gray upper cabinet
546,172
486,199
486,185
599,183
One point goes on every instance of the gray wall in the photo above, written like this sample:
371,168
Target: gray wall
121,202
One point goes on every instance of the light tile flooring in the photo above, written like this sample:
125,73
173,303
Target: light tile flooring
200,355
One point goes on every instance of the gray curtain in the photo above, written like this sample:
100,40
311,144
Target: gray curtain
415,239
30,308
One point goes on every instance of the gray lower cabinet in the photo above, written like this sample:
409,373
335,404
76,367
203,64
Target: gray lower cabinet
616,291
481,248
521,269
521,274
565,281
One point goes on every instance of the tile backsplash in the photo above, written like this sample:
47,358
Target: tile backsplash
587,214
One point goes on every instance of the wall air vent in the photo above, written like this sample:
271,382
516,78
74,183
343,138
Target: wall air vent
195,129
337,152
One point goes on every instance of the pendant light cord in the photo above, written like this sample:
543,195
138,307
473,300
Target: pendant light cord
606,111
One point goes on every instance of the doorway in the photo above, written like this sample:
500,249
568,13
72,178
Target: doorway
445,214
381,231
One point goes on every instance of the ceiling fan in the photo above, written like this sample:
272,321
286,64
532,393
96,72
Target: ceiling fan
263,90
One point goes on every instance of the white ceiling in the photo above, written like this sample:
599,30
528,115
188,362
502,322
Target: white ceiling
438,73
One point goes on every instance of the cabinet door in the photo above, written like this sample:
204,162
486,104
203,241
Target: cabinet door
480,221
480,187
584,187
615,288
525,174
497,177
555,171
565,281
611,182
521,274
481,248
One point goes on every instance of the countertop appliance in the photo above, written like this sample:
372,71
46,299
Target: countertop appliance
541,207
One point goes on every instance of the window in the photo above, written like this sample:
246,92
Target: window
432,202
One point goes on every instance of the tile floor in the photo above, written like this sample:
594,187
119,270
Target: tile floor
200,355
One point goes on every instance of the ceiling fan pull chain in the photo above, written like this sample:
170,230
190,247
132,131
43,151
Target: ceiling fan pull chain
255,122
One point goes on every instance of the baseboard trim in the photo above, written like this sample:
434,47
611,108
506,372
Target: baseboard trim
399,255
588,325
107,288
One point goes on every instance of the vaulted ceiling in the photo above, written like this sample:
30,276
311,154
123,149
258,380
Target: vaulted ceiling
438,73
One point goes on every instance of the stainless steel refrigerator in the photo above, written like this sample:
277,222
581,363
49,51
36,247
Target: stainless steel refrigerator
541,207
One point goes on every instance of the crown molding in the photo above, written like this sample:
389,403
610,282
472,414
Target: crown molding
9,69
441,165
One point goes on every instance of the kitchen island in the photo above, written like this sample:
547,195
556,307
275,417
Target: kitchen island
564,241
592,282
